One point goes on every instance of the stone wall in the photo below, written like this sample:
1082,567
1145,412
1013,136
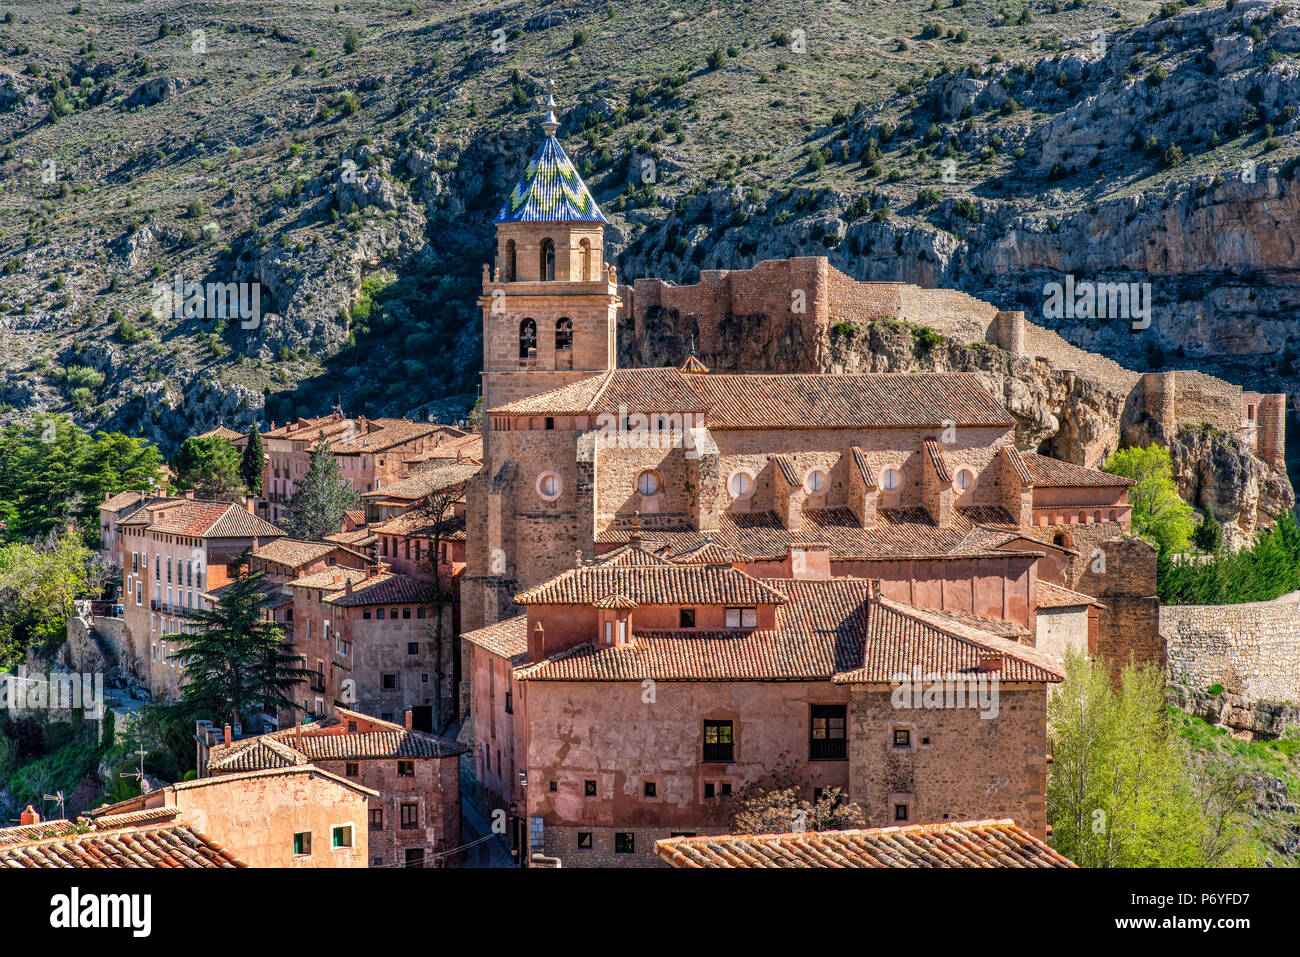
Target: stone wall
1252,649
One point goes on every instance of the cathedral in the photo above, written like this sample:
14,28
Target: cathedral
763,550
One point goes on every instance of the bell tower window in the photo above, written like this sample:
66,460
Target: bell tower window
510,261
548,260
564,344
584,259
527,338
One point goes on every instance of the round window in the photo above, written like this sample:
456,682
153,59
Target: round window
891,479
965,479
815,481
647,483
742,483
548,485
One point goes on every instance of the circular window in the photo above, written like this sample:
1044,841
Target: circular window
548,485
741,484
891,479
965,479
815,481
648,483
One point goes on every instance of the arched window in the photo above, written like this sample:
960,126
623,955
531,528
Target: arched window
510,261
891,479
527,337
584,259
548,260
564,341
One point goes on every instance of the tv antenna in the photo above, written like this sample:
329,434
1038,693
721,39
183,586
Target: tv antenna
57,797
138,774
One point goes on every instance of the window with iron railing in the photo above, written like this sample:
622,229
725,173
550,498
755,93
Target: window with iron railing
827,739
719,741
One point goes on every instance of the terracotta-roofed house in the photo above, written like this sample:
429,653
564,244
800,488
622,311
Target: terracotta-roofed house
635,698
413,817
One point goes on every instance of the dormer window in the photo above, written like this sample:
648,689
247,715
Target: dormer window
964,480
891,479
815,481
742,617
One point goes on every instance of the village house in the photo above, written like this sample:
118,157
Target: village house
292,815
174,552
642,694
139,839
367,636
413,779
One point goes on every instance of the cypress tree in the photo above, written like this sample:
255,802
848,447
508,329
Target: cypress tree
250,466
321,499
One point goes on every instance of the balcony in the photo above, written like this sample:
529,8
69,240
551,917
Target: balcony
828,749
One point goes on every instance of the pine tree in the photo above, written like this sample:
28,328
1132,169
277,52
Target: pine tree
250,466
321,499
236,661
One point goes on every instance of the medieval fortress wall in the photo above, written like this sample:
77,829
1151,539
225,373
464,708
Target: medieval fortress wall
809,296
1252,650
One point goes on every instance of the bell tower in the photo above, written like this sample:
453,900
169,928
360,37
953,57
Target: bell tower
550,302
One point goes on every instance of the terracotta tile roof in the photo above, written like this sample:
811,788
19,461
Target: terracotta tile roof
222,432
508,638
960,621
125,500
432,477
902,638
357,538
968,844
630,556
308,428
789,401
935,452
652,582
828,630
787,470
417,523
294,552
709,553
385,590
173,845
385,434
327,741
864,470
1017,461
144,514
1048,472
1057,596
331,579
201,519
898,533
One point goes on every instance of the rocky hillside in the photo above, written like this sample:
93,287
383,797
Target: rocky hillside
348,158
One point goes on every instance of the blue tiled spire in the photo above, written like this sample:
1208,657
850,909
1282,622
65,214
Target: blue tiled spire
550,190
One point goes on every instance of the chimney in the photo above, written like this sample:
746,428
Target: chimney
990,661
537,646
189,493
347,586
29,817
297,734
634,539
227,734
250,503
107,495
410,720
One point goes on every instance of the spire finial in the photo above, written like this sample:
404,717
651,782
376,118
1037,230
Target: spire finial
550,124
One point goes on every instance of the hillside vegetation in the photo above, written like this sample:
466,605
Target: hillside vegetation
349,158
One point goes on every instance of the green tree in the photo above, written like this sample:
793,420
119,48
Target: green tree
321,498
250,466
1208,536
1158,512
210,466
236,662
1120,792
39,581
